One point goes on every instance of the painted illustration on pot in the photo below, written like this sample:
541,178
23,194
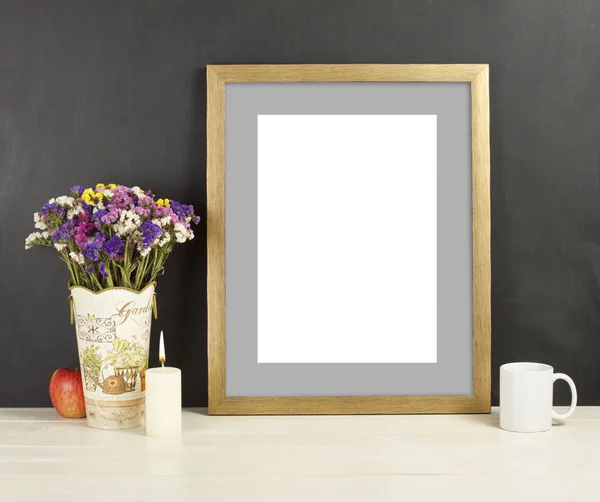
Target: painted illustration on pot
91,366
126,360
113,336
96,329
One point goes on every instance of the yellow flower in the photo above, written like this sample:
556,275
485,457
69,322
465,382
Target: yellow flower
100,185
88,196
99,195
111,186
160,203
167,203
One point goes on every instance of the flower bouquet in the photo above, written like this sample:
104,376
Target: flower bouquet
115,241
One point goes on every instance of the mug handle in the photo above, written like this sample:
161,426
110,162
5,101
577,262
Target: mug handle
566,378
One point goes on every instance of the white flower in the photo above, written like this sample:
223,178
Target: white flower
59,246
164,239
127,223
38,221
52,201
77,257
144,252
77,209
65,201
182,234
108,193
138,191
165,221
33,238
99,206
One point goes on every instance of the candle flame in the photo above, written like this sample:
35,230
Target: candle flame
161,350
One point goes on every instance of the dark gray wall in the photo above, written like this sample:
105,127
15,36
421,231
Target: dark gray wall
114,91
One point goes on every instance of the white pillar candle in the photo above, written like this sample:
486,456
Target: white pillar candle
163,399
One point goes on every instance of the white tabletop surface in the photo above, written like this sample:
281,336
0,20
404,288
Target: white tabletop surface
409,458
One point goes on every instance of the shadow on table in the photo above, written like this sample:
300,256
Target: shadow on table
490,420
197,411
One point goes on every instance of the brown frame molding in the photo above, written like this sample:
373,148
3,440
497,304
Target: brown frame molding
480,400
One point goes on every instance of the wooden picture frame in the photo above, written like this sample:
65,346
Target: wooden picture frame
477,402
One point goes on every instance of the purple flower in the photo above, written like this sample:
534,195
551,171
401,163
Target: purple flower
111,216
182,210
97,216
51,209
142,211
90,269
113,246
80,239
103,272
145,200
48,208
122,198
64,231
77,190
90,250
161,211
150,232
83,224
101,237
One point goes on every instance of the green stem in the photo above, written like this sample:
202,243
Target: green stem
96,281
109,280
140,272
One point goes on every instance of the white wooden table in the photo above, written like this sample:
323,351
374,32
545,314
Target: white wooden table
409,458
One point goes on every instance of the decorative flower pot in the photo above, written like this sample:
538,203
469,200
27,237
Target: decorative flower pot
113,338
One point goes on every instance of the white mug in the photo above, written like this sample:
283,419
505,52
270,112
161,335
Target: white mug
526,397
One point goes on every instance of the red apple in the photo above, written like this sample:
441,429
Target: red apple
66,393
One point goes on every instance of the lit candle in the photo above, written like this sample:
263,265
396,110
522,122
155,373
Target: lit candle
163,397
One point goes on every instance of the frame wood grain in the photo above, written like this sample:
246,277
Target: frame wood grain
221,404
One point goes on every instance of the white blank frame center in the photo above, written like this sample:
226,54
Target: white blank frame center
347,239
